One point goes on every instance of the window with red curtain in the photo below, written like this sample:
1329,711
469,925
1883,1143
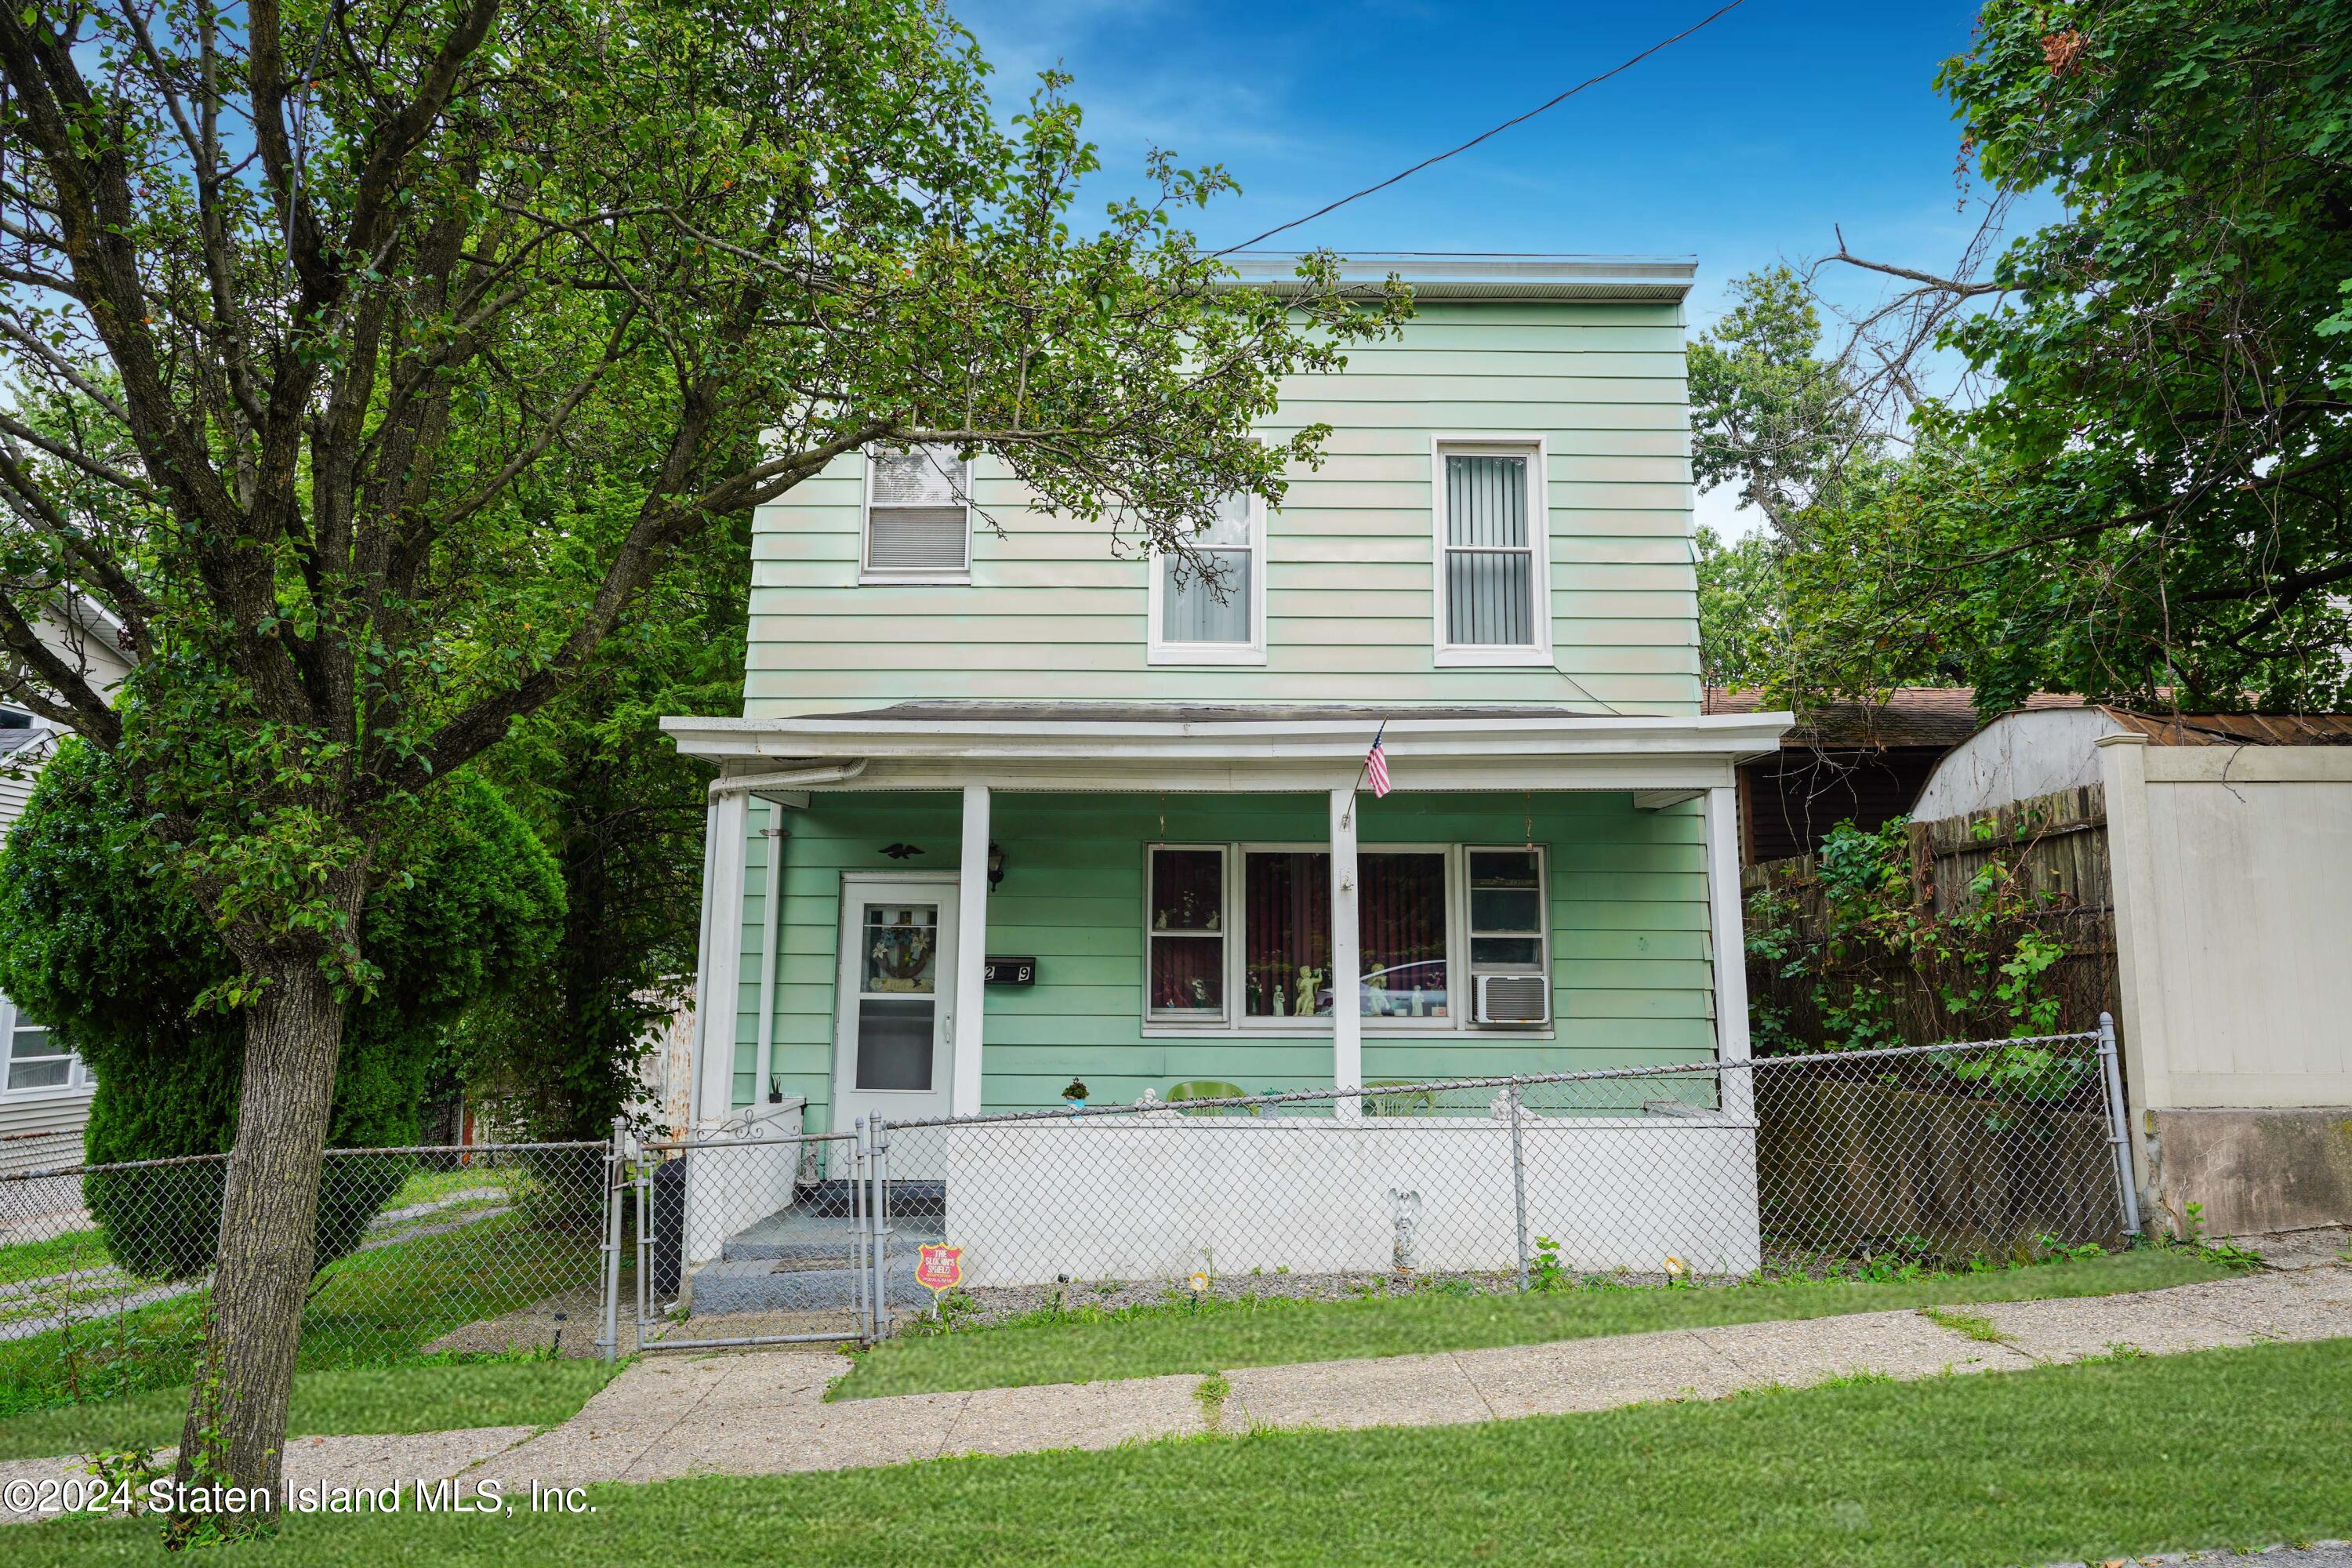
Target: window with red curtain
1187,936
1286,934
1401,932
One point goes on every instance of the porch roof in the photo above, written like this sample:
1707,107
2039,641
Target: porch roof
1234,747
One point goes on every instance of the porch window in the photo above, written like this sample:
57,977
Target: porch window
917,515
1286,934
36,1061
1209,607
1431,918
1188,935
1506,913
1400,934
1494,599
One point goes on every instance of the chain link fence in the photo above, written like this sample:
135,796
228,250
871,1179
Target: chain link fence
1839,1163
1823,1165
105,1270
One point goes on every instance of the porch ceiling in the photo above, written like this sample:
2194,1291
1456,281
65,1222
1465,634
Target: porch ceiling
1233,748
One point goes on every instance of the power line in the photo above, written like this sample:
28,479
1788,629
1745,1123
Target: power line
1487,135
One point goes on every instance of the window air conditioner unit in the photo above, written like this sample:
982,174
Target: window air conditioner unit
1513,999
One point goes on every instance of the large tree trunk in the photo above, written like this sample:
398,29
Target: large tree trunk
235,1433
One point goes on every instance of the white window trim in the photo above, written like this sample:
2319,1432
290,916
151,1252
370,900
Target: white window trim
1543,933
78,1082
868,575
1238,1021
1160,651
1229,904
1536,449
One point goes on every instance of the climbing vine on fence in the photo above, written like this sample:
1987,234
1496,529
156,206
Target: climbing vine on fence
1856,955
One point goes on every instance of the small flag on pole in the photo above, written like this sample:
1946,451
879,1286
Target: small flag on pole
1376,763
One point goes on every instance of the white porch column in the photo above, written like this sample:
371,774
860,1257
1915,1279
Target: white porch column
971,954
1730,931
1347,986
716,977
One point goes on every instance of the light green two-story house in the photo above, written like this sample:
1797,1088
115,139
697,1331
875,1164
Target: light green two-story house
1002,811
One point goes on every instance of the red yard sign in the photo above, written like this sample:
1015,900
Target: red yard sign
939,1268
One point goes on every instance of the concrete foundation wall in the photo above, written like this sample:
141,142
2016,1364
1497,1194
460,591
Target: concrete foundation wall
1157,1197
2254,1171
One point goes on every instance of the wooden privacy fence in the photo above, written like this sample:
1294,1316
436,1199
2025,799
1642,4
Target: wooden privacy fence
2052,848
1922,1160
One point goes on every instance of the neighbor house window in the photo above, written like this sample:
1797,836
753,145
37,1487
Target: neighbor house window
1209,606
917,515
35,1059
1187,935
1255,922
1494,599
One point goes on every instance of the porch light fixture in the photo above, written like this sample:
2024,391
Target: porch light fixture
995,863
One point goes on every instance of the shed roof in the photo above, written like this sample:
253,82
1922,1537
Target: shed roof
1937,715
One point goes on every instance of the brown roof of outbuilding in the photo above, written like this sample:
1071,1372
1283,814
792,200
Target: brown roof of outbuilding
1944,716
1941,716
2238,729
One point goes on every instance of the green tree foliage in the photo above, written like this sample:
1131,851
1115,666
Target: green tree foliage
371,360
1742,637
105,946
623,813
2152,502
1768,413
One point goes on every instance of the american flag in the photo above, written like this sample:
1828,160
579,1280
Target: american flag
1376,762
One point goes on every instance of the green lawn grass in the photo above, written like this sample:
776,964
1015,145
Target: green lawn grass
1270,1331
427,1396
372,1309
2238,1447
76,1250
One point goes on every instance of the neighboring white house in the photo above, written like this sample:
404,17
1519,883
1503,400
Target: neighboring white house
45,1089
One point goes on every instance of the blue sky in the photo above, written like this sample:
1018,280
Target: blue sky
1741,145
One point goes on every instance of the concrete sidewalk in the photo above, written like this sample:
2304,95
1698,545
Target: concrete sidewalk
763,1412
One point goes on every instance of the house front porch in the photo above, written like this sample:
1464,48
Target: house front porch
957,910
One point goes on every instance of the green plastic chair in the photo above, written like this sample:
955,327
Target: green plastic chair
1420,1100
1209,1088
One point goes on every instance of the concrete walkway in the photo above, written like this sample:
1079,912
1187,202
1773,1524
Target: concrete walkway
763,1412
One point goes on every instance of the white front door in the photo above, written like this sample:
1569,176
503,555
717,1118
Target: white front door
894,1036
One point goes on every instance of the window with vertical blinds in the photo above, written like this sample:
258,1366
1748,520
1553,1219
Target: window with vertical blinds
918,521
1492,567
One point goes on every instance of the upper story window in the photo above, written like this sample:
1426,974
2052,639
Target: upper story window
1211,609
34,1060
918,516
1494,586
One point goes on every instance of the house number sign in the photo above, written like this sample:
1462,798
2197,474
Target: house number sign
996,971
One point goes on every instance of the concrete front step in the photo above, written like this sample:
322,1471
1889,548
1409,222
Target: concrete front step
791,1285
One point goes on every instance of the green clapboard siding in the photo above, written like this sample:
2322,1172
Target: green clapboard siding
1052,613
1630,949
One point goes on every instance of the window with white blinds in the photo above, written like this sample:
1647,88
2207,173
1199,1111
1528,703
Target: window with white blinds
1209,608
918,513
1494,601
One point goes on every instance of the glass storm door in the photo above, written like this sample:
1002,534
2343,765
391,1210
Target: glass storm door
894,1039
